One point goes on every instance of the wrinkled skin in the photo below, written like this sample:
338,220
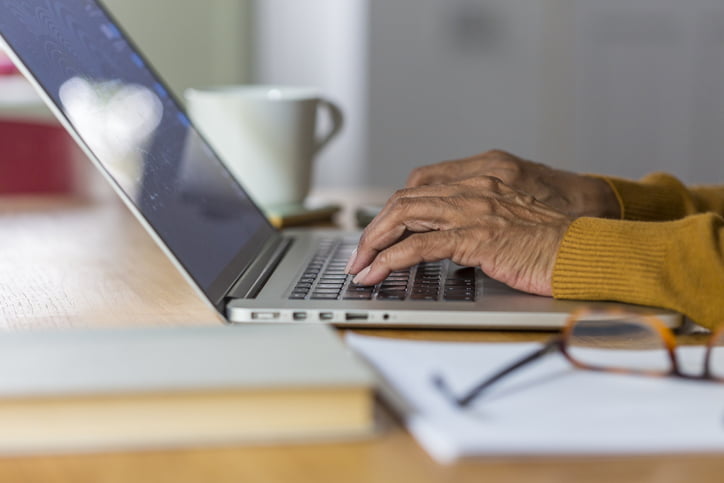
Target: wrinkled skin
571,193
495,211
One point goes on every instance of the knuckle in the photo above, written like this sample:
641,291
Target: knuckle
496,153
363,239
417,244
398,194
502,161
527,199
490,183
417,174
402,204
385,258
508,167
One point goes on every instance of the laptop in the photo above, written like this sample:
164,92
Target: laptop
111,101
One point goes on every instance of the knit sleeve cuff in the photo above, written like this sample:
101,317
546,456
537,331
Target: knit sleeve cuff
678,265
599,259
657,197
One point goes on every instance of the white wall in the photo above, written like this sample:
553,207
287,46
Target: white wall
622,87
320,43
650,87
450,79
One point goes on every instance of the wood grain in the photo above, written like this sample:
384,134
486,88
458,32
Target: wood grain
68,263
72,263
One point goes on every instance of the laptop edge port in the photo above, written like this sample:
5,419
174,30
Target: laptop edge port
264,315
356,316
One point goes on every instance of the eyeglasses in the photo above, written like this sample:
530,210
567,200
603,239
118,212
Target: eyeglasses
610,341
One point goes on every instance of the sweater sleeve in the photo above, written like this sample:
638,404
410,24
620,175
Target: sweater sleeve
661,197
677,264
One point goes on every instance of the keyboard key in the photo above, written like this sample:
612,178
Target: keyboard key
426,290
360,289
394,283
326,290
459,283
459,298
330,285
324,296
390,296
357,296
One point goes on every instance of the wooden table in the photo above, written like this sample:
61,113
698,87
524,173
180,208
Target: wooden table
85,263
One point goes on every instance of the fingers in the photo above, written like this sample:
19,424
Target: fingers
417,248
401,215
427,208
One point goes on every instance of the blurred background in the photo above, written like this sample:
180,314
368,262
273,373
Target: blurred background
621,87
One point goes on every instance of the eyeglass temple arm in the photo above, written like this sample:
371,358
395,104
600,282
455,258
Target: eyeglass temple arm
465,400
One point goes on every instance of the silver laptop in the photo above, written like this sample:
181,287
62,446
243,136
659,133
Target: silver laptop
108,97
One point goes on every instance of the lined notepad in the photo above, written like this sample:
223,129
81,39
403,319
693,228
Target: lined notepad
546,408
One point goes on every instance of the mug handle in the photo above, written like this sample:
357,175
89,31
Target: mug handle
335,114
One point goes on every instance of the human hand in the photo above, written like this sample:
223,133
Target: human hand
571,193
479,221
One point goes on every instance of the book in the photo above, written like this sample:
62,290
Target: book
107,389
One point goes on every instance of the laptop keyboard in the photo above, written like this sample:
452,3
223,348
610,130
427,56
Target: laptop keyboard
324,279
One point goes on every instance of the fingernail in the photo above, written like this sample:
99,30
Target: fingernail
352,258
359,279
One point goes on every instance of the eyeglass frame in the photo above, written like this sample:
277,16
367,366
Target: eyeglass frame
559,343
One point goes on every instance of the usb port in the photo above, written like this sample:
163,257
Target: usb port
355,316
264,315
299,316
325,315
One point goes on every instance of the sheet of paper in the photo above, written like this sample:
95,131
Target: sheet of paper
548,407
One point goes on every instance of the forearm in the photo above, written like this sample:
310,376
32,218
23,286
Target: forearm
662,197
677,265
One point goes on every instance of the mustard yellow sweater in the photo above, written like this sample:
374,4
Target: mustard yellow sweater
666,251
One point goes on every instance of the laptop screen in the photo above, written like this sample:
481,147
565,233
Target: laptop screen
139,134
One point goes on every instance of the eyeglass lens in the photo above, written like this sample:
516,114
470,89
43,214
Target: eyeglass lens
623,342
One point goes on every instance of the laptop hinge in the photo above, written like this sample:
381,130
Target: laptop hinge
254,277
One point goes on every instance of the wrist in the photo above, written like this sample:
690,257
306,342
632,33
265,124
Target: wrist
600,200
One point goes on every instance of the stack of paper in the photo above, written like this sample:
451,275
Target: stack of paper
547,407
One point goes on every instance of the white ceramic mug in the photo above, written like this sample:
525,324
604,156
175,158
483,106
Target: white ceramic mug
266,135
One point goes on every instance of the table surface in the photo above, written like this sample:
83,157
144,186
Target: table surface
72,262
